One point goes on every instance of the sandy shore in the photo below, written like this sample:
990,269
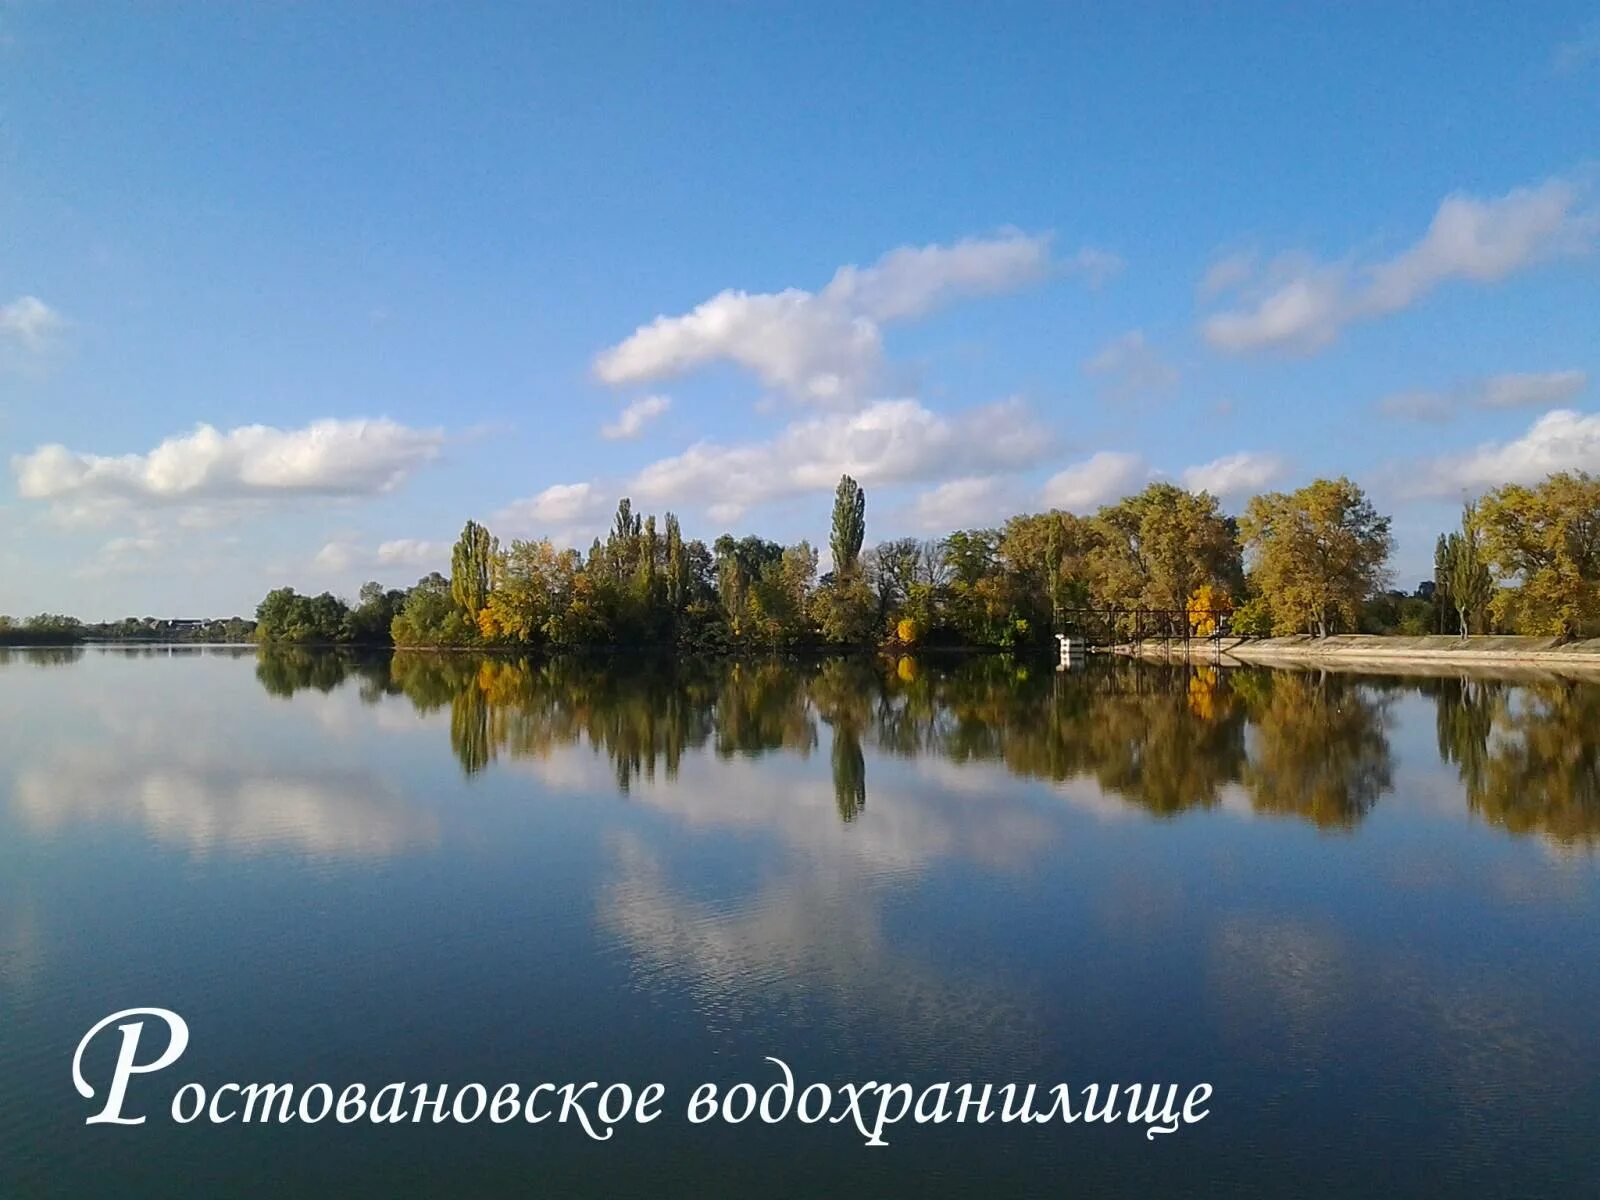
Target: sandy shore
1383,650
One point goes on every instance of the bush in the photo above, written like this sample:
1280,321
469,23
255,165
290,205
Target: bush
1252,619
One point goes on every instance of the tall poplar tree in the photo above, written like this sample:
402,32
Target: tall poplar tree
1467,579
1441,578
677,567
849,525
471,564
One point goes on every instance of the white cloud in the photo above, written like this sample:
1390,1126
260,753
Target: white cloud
328,458
972,502
1131,366
123,556
914,280
1536,389
1420,405
1484,241
345,554
1562,440
335,557
632,420
28,321
1533,390
790,340
559,504
826,347
889,441
1304,311
1300,304
1097,266
1099,479
1235,474
410,552
1227,273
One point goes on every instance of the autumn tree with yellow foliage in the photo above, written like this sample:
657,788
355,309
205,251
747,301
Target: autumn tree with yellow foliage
1316,555
1156,549
1545,542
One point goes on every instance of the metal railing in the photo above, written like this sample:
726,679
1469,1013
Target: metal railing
1116,625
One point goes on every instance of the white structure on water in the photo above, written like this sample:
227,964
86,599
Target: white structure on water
1074,651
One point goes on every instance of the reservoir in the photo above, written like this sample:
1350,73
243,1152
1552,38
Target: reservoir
1365,908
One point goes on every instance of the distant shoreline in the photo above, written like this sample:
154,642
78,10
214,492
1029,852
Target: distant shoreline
1351,650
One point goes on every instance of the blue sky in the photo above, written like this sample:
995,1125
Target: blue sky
287,293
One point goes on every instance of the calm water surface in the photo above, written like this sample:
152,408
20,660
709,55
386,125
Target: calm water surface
1366,909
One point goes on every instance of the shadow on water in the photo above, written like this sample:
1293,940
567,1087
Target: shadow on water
1307,745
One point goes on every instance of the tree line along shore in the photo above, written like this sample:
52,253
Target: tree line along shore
54,629
1523,560
1315,560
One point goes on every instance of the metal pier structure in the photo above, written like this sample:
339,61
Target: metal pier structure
1135,630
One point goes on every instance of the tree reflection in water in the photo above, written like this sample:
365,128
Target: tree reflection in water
1167,739
844,693
1528,756
1319,747
40,656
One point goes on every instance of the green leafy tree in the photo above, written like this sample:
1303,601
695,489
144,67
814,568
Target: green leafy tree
1467,581
430,616
849,525
846,611
622,544
370,620
750,585
472,568
677,583
977,599
1049,558
286,616
891,570
44,629
1441,579
533,585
